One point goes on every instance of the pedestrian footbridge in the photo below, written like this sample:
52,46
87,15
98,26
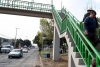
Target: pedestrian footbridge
66,25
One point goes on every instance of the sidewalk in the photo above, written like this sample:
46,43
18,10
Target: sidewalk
39,62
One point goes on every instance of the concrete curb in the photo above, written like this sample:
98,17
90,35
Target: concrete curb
41,63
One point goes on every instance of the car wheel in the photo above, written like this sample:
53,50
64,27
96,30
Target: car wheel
20,56
9,57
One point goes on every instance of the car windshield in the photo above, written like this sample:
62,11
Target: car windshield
15,50
7,46
24,49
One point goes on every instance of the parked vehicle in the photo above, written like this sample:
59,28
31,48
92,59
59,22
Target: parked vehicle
0,49
28,48
25,50
15,53
6,49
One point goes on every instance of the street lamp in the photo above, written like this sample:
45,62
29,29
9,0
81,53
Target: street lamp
51,2
42,41
32,0
61,4
15,37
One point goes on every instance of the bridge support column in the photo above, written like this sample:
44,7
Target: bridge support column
70,59
56,45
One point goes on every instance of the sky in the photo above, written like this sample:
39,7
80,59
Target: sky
29,26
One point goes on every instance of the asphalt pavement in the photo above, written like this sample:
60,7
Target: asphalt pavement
29,59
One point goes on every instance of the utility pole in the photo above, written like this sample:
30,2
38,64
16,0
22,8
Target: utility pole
32,0
61,4
51,2
43,41
26,37
15,37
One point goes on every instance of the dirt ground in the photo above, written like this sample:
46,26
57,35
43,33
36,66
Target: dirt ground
63,62
48,62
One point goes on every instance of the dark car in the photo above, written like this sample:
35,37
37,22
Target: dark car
15,53
0,49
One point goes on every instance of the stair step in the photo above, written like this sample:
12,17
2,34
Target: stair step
70,39
79,61
62,15
97,48
79,56
82,63
83,66
98,45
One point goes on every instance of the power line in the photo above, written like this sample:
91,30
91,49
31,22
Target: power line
5,36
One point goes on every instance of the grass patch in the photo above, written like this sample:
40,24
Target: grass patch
45,51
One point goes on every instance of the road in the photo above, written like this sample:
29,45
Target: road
28,60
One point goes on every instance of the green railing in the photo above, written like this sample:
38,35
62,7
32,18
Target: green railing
80,24
58,19
25,5
80,41
74,18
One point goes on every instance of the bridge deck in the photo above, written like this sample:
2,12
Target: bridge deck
26,8
13,11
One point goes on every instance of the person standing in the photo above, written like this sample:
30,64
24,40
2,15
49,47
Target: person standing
87,14
90,28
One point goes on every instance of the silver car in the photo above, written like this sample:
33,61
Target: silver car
15,53
6,49
25,50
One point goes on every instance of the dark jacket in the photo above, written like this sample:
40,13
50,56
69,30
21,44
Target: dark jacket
88,14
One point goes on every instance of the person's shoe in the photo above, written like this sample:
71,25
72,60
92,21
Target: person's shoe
94,63
99,40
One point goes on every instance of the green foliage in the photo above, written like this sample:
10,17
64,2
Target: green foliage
98,18
46,27
27,42
37,40
22,42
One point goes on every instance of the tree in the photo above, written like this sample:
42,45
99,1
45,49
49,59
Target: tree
18,41
47,27
27,42
38,40
21,42
98,18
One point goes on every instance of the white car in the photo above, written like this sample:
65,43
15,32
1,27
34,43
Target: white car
15,53
6,49
25,50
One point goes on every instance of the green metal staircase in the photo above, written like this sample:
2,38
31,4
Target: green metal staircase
66,24
72,25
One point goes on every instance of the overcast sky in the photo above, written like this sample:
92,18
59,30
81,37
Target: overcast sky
29,26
